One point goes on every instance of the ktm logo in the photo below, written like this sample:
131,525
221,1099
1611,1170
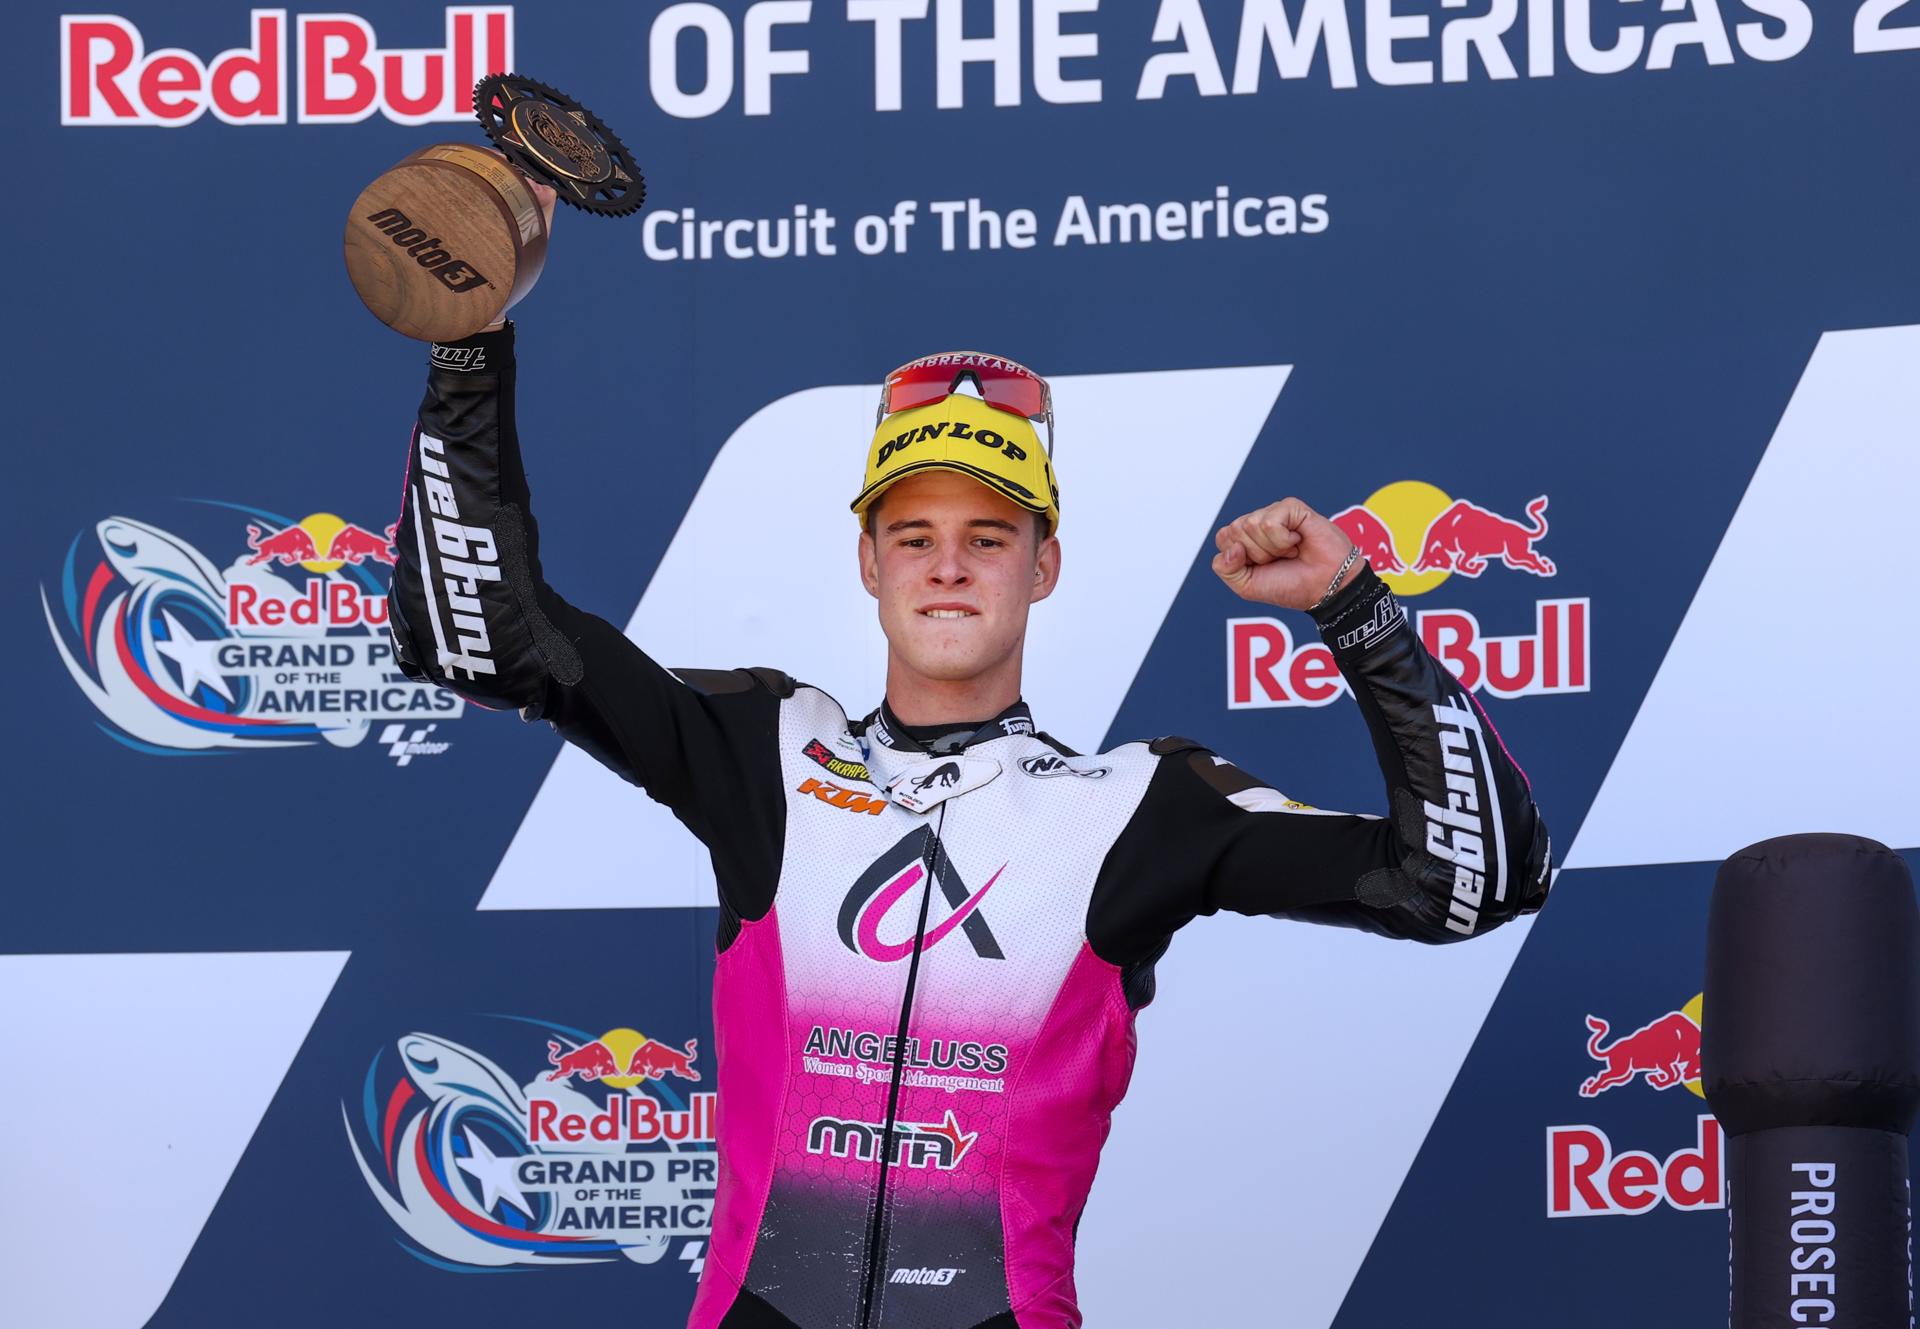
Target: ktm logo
900,874
834,796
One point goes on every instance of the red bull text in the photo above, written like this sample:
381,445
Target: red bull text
310,69
1265,667
1587,1177
626,1119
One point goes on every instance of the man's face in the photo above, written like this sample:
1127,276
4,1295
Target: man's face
954,566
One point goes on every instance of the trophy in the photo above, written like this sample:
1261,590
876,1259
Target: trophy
452,236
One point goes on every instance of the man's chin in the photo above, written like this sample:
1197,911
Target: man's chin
949,666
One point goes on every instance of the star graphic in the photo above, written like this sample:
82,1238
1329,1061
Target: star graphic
194,658
951,1129
495,1175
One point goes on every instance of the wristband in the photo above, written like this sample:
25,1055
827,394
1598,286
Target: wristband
1353,556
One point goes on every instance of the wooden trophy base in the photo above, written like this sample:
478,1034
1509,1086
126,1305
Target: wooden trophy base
445,242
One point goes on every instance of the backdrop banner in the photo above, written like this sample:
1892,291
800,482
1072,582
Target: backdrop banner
329,998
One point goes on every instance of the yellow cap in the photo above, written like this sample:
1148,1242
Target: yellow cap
999,449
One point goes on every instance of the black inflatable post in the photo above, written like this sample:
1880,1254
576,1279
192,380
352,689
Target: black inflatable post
1810,1051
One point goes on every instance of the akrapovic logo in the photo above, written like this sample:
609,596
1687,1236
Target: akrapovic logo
926,1277
840,766
430,252
328,68
1458,832
467,558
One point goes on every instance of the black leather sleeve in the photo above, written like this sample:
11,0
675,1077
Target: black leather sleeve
1462,849
470,610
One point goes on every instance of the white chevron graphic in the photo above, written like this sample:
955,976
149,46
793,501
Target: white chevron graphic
121,1151
1168,442
1769,715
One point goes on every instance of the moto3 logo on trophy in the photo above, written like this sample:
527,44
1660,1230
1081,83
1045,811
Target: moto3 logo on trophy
328,68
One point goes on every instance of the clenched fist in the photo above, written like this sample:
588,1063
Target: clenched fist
1284,554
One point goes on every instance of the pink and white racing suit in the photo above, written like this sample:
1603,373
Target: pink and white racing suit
930,961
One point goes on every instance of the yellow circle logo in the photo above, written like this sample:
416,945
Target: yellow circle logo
322,527
622,1043
1692,1011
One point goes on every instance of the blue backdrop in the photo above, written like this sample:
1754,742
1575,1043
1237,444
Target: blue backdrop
264,932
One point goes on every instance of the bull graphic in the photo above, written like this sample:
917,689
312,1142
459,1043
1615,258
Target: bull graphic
1667,1052
1466,535
944,776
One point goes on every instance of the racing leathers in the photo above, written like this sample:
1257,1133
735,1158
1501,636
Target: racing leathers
930,961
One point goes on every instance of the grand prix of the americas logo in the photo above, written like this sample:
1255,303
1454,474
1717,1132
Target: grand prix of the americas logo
1587,1176
482,1169
285,646
330,68
894,877
1416,537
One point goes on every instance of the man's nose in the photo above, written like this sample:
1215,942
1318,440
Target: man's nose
949,569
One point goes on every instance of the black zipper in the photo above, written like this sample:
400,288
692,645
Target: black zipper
876,1237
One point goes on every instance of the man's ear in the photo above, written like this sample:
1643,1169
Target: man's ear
869,555
1046,568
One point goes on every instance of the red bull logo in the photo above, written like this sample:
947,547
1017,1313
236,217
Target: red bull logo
1587,1175
621,1058
312,69
624,1119
321,543
652,1060
1416,536
1665,1051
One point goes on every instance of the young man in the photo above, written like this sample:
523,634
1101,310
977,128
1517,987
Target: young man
937,923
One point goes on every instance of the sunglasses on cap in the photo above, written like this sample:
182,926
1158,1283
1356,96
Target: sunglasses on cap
1001,382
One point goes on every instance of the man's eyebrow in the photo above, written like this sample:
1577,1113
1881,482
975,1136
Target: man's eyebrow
922,524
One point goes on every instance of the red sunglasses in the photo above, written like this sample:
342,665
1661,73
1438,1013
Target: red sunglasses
1002,383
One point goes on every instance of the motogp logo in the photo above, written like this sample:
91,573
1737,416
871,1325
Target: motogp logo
894,876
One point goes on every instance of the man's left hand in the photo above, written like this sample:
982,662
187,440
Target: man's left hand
1285,554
